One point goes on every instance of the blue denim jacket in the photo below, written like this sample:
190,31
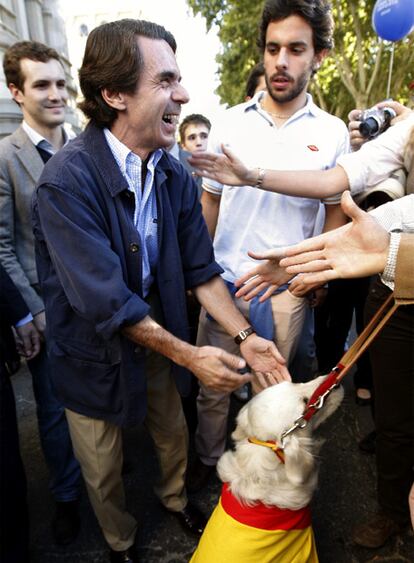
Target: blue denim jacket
88,255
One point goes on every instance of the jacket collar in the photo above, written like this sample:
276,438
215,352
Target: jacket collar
105,162
27,154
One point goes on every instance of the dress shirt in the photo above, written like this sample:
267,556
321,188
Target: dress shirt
145,214
39,141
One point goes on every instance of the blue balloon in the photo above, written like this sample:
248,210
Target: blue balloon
393,19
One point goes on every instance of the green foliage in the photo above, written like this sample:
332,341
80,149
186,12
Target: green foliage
354,75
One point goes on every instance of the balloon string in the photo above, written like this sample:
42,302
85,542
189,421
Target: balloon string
390,71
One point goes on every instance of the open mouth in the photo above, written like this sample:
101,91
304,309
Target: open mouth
170,118
280,80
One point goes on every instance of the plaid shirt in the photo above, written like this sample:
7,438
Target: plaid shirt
145,215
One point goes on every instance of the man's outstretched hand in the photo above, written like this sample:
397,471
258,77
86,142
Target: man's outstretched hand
266,277
225,168
358,249
265,360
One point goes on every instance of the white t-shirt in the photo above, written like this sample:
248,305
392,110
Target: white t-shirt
252,219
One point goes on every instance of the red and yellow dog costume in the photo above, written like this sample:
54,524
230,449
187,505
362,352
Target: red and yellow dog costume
237,533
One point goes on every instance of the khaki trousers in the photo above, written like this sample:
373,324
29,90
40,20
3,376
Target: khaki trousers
212,406
98,447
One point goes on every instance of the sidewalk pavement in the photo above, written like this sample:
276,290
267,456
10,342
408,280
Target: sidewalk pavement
346,495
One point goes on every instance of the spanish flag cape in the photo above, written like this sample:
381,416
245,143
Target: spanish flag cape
256,534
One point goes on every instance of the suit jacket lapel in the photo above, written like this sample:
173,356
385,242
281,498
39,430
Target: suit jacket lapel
27,154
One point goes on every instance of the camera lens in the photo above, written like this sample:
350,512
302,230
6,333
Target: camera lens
369,127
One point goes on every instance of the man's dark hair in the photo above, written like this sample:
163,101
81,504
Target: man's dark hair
317,13
253,79
194,118
113,60
25,50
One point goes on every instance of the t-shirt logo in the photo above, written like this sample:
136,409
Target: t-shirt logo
313,148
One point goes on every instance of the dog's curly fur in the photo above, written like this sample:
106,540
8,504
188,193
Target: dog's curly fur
254,473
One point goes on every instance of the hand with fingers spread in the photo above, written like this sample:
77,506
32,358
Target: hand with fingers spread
225,168
217,369
266,277
358,249
265,360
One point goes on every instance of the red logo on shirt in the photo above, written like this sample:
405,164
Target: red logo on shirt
313,148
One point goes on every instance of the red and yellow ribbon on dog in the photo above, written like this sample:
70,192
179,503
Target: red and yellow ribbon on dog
237,533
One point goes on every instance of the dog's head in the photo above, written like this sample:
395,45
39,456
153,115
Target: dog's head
266,417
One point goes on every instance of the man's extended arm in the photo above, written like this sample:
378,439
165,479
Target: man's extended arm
66,216
261,355
378,160
357,249
226,168
213,366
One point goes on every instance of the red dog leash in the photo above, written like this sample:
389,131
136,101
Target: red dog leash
317,400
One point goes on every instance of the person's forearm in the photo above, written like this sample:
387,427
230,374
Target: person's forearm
150,334
303,183
215,298
334,218
211,206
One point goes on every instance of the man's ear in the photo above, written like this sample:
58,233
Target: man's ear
319,58
115,100
16,93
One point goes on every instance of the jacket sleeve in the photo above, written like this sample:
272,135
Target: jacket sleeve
196,247
8,255
88,269
12,306
404,273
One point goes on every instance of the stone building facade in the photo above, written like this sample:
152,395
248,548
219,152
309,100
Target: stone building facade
36,20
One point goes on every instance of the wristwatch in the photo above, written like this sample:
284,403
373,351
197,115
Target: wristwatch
243,334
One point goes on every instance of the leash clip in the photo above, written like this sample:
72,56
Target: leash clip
300,422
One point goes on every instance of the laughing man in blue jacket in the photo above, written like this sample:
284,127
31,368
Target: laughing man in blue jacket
119,239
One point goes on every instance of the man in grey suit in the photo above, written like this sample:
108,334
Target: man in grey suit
36,80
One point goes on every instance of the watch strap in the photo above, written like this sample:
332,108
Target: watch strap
243,334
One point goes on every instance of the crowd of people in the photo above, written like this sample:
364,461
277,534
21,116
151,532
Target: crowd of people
128,275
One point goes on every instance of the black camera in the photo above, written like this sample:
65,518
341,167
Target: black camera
375,121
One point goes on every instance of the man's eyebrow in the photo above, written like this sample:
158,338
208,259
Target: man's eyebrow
41,81
300,43
169,75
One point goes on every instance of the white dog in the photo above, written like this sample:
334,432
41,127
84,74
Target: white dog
263,514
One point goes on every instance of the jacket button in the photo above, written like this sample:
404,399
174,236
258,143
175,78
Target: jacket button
134,247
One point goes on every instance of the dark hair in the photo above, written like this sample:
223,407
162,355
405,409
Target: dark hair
317,13
113,60
25,50
253,79
196,118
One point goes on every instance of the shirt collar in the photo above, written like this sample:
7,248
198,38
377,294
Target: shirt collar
37,138
309,107
121,152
